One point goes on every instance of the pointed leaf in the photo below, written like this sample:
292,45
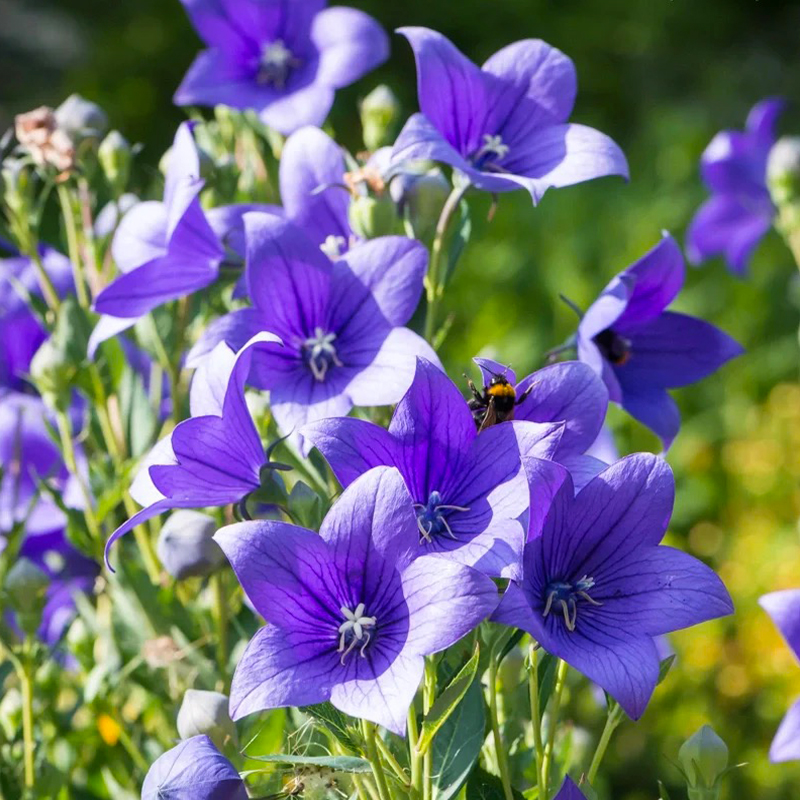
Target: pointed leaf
484,786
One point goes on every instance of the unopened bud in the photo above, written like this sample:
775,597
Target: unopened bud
47,144
207,168
186,547
25,586
206,713
373,216
81,119
52,373
306,506
704,759
11,712
783,170
380,110
115,157
420,197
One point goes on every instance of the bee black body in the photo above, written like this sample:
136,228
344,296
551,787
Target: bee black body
496,403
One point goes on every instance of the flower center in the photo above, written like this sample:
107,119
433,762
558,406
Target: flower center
334,246
353,631
563,596
491,151
432,518
276,64
320,354
615,348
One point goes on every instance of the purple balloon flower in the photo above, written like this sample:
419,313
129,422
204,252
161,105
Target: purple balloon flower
193,770
597,586
740,212
641,350
784,608
503,125
351,612
214,458
568,392
165,250
340,322
20,330
283,59
468,490
569,791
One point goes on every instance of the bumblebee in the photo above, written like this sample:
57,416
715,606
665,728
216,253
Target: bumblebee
496,403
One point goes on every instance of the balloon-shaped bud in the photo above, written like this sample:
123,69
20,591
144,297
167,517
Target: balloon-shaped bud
203,712
380,111
186,547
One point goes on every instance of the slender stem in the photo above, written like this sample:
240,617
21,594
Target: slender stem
389,758
536,717
374,760
73,245
361,789
555,708
500,750
87,226
414,757
221,617
612,722
26,676
428,698
45,282
434,283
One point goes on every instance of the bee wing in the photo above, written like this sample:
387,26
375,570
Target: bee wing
491,416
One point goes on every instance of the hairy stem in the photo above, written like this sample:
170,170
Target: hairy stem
612,722
415,759
374,759
428,698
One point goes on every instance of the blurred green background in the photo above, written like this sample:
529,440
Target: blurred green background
661,78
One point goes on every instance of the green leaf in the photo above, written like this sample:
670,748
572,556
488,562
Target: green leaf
547,679
457,746
447,701
336,763
335,721
663,794
484,786
139,420
459,238
664,667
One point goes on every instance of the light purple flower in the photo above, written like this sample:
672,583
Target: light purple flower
193,770
640,349
20,330
214,458
784,608
165,250
341,322
283,59
351,612
569,791
503,125
469,490
568,392
740,212
597,586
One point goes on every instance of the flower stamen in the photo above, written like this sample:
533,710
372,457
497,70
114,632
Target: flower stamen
355,624
320,353
432,517
276,64
492,150
566,595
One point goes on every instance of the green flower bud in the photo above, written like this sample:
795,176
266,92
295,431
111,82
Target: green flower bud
52,373
11,712
783,170
206,713
380,111
704,759
374,216
25,587
81,642
115,155
18,188
421,197
81,119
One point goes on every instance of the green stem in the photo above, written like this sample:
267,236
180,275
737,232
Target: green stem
73,245
415,759
551,738
374,759
612,722
434,282
26,677
500,750
536,717
45,282
428,698
398,770
221,617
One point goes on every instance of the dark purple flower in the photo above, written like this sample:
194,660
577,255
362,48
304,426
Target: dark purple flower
340,321
20,330
503,125
568,392
569,791
784,608
641,350
283,59
351,612
193,770
597,586
214,458
165,250
468,490
739,212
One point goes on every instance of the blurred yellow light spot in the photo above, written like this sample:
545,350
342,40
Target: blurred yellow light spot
705,539
733,680
109,729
